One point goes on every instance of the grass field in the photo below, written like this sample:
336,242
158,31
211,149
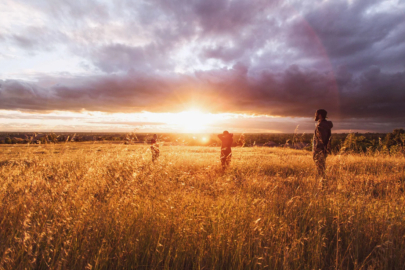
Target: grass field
101,206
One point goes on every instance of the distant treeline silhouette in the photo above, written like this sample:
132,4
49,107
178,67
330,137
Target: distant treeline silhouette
343,142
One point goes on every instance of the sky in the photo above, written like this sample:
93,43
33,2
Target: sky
201,65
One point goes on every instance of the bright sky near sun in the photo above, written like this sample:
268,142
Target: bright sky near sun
183,122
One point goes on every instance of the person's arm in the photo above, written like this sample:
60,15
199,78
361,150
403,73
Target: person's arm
319,135
329,146
324,136
318,142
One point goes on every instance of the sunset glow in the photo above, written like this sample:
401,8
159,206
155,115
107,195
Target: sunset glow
192,121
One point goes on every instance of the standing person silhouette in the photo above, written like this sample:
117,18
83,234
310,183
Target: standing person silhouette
226,151
154,147
321,142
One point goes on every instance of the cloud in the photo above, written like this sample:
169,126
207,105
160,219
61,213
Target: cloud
117,57
37,39
295,92
358,35
265,34
130,123
283,58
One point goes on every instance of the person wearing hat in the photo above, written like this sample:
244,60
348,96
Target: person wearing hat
321,141
226,151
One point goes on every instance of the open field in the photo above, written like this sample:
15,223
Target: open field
100,206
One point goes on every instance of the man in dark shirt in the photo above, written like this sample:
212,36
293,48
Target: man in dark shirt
226,151
321,141
154,147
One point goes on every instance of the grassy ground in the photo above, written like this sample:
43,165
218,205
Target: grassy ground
77,206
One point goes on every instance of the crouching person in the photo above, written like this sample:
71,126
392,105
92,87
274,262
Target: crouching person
321,142
226,151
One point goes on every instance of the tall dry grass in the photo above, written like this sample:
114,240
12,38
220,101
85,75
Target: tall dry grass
107,206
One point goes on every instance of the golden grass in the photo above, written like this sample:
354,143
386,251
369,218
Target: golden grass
77,206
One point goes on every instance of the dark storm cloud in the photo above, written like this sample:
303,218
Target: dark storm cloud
295,92
351,34
172,24
358,35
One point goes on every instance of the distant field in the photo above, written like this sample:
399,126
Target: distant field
106,206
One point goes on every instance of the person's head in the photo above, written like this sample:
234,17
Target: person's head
154,136
225,132
320,114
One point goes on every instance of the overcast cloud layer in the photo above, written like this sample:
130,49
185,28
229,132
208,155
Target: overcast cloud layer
284,58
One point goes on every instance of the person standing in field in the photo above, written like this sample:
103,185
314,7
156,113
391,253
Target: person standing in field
154,147
226,151
321,142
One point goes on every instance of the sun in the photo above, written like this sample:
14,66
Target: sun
192,120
